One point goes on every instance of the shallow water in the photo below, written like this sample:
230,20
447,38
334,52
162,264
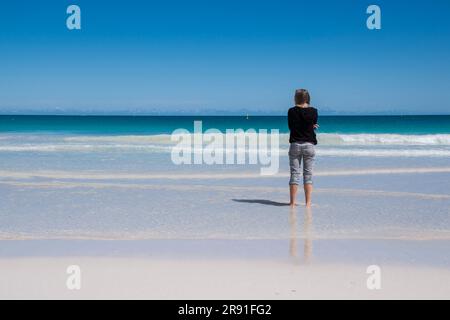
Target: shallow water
374,183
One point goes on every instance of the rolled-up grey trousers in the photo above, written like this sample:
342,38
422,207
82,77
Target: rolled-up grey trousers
297,152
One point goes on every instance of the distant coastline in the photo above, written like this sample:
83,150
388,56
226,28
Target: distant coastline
231,114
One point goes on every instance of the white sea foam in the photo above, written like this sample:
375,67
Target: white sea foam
324,138
336,145
100,175
135,139
58,147
386,153
384,139
321,150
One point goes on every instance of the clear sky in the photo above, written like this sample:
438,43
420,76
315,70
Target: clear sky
224,56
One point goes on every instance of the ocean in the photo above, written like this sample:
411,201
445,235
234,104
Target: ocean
128,125
359,136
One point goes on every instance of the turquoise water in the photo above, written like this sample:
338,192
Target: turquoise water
166,124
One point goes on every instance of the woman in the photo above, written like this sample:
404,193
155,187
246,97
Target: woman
302,121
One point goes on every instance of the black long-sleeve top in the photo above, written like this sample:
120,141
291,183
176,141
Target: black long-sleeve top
301,123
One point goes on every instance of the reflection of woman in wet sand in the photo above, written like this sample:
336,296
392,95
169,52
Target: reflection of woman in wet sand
302,121
307,245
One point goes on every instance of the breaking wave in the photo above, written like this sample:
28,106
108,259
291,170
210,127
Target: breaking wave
330,144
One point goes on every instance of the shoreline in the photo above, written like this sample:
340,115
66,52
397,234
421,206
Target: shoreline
423,253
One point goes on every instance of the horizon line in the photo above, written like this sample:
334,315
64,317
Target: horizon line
214,115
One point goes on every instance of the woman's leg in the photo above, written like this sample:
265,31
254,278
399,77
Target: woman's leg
295,159
308,161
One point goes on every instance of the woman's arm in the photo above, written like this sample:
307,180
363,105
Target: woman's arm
316,118
290,124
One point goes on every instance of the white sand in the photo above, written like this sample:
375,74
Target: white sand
146,278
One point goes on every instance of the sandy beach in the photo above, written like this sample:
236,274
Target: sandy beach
225,270
238,240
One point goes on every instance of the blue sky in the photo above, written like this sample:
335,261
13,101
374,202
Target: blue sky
224,57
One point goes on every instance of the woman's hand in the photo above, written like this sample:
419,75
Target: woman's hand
316,126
